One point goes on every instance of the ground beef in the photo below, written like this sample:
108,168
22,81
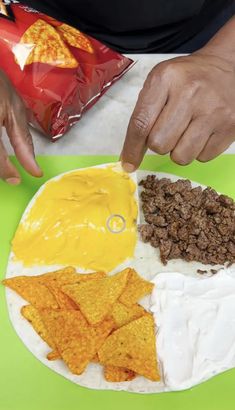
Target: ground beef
188,223
203,271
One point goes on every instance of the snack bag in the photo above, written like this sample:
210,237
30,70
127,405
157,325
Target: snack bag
58,71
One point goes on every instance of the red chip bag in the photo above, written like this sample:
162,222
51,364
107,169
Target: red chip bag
58,71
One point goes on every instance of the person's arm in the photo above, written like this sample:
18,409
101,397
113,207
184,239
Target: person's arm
223,42
13,118
187,105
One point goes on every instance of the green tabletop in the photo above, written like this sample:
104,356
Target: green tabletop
25,383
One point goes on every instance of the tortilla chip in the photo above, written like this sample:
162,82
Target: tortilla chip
55,280
133,346
34,289
60,276
68,276
33,316
44,290
96,297
30,289
76,341
63,300
96,359
118,374
46,46
136,288
53,355
122,314
75,38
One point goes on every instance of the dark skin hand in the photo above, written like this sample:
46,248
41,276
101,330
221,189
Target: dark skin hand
13,118
187,106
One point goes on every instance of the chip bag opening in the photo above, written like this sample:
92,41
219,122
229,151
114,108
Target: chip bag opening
58,71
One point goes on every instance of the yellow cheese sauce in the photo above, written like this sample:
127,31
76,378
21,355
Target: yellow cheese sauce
86,218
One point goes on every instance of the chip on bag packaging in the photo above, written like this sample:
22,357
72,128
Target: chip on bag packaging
58,71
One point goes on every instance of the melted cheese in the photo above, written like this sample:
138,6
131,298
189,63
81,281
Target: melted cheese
85,218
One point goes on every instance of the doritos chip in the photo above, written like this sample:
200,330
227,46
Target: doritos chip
122,314
34,288
44,290
33,316
30,289
53,355
96,359
133,346
64,302
67,276
136,288
61,276
76,341
118,374
96,297
45,46
75,38
55,280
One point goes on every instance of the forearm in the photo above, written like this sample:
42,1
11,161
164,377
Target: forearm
223,43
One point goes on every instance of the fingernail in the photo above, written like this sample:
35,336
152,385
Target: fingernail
13,181
38,171
128,167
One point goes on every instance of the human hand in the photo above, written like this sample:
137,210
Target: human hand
13,118
186,108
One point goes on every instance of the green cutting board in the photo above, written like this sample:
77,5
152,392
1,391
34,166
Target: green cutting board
25,383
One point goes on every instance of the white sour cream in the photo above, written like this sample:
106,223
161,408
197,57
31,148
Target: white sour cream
195,326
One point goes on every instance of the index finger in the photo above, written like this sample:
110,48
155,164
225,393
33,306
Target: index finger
21,140
150,103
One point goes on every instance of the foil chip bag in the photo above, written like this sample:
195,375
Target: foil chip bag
58,71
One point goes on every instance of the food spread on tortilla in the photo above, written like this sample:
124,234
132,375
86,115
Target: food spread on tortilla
139,311
74,220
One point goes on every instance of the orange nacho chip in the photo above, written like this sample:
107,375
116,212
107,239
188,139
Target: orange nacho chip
75,38
122,314
69,275
53,355
76,341
61,276
96,359
133,346
45,45
64,302
44,290
55,280
96,297
32,314
30,289
34,288
118,374
136,288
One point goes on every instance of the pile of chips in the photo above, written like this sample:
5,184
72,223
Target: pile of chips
92,318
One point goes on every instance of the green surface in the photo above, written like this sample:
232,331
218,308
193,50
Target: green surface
25,383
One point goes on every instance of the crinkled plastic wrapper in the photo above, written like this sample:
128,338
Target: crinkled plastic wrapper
58,71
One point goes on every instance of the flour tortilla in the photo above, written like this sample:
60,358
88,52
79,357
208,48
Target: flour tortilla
146,262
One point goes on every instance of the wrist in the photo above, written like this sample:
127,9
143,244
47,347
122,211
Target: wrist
218,55
222,45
